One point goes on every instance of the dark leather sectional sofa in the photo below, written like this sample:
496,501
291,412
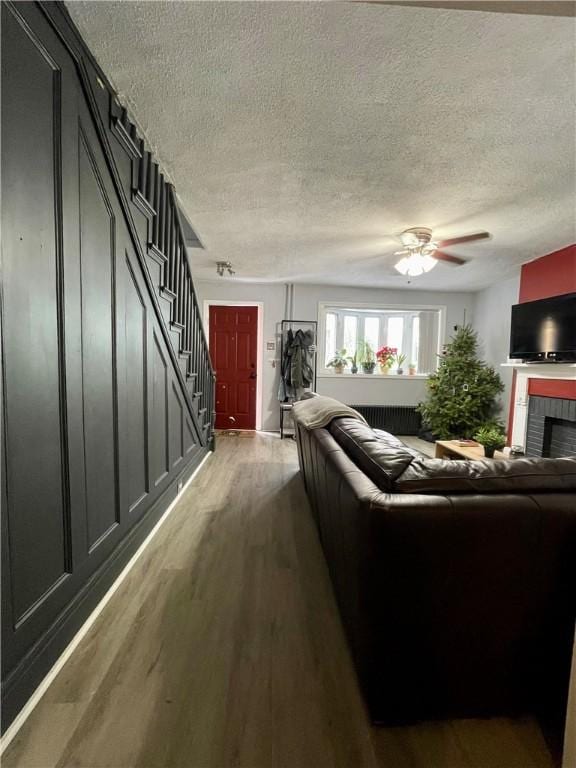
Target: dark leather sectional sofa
455,580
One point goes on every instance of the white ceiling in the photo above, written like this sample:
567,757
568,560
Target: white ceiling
300,136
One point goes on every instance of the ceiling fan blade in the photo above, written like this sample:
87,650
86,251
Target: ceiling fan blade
402,253
441,256
463,239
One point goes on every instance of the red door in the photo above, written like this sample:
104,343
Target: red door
233,340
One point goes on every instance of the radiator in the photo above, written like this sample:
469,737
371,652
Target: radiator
396,419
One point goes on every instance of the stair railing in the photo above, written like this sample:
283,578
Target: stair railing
156,199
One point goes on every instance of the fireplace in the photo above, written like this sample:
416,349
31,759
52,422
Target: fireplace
543,391
551,429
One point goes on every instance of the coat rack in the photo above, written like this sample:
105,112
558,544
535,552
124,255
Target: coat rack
298,363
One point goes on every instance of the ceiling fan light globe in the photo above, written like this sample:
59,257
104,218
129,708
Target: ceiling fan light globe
403,266
410,267
428,262
415,265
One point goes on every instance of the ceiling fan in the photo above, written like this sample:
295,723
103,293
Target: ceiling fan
421,254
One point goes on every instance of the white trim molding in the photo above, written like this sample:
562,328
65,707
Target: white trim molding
259,342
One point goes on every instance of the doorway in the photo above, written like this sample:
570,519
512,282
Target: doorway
233,340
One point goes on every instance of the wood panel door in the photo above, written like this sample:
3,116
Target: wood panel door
233,343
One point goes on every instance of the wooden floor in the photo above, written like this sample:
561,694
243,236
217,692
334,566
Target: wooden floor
425,448
223,649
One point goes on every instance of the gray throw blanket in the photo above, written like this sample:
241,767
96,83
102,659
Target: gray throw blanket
319,411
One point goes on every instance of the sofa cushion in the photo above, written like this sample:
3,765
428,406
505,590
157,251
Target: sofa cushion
487,476
378,454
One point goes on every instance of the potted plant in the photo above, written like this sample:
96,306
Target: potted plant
353,360
339,361
385,357
492,438
412,369
399,359
366,357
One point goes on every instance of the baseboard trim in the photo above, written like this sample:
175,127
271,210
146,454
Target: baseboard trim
39,692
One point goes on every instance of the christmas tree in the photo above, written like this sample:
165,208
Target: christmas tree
462,393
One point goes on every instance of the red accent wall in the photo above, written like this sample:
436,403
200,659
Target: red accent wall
563,388
550,275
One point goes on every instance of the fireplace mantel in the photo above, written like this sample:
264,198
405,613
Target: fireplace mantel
556,369
525,372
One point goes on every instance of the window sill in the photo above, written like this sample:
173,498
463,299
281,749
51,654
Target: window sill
381,376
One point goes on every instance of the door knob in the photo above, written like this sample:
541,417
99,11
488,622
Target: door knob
252,375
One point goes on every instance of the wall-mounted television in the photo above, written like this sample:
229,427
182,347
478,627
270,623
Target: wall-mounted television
544,330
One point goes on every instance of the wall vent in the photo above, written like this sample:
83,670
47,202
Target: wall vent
396,419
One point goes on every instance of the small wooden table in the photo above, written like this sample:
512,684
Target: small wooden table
449,449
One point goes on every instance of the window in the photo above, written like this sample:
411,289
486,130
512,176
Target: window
350,337
395,333
415,351
331,346
413,331
372,332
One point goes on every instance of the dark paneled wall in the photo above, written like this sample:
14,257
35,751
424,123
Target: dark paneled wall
102,418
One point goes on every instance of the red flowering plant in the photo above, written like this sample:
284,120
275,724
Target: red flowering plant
385,356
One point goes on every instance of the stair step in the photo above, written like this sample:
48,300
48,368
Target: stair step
191,376
125,132
178,327
143,204
155,253
198,394
185,353
167,294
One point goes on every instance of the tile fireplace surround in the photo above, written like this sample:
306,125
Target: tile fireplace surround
551,430
524,373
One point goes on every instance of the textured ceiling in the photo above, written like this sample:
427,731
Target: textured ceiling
300,136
